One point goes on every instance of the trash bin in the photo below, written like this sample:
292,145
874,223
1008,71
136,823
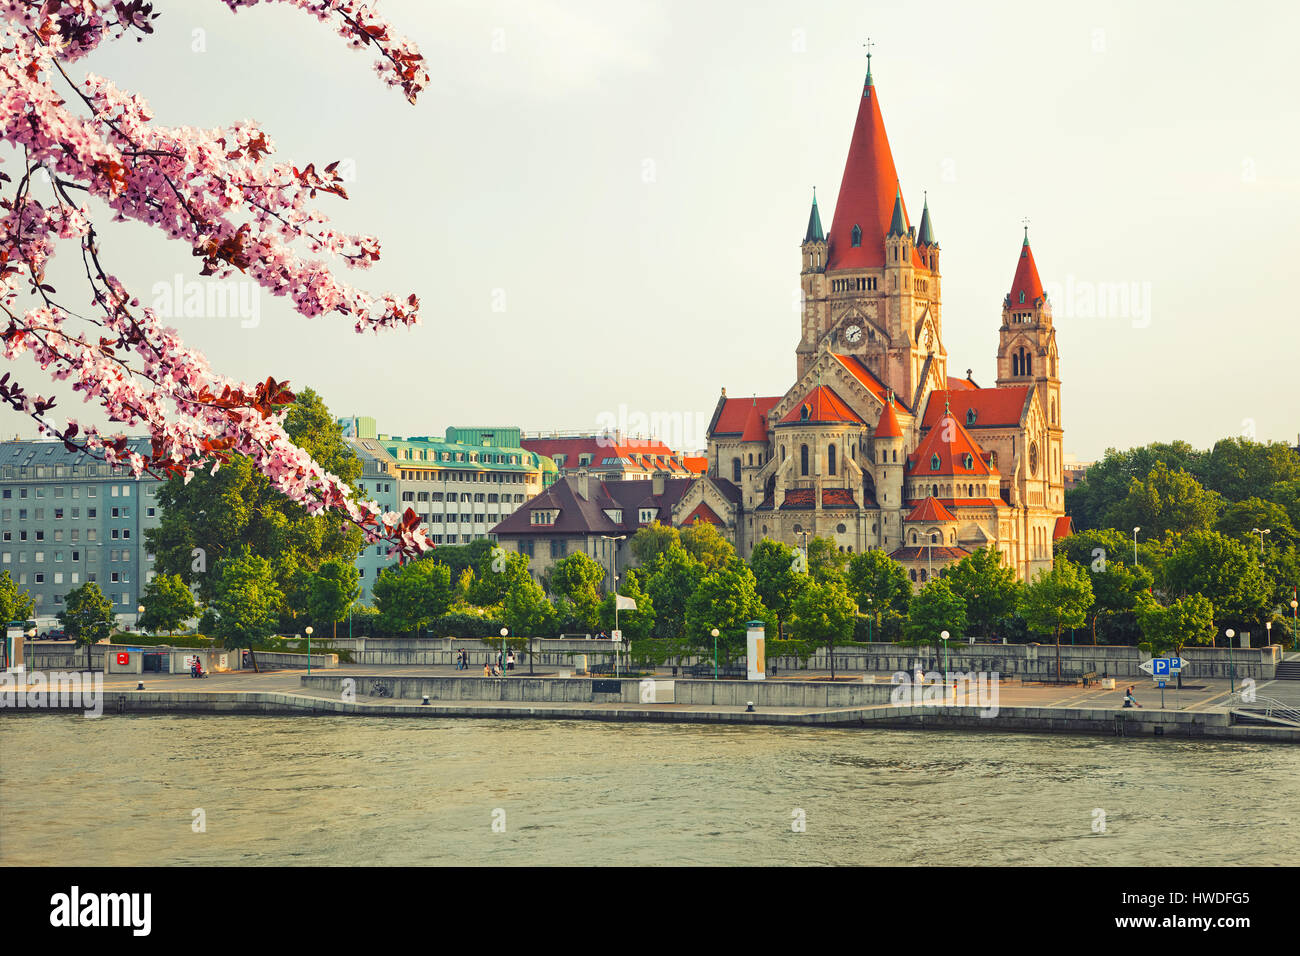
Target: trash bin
1108,683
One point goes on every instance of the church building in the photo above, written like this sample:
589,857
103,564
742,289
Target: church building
876,445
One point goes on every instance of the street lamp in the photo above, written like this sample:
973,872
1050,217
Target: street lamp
871,620
1294,642
1135,546
1268,631
944,636
714,632
1261,537
307,629
1232,668
504,632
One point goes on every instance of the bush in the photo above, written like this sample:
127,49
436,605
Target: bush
460,624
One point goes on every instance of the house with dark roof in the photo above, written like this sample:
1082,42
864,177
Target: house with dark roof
597,517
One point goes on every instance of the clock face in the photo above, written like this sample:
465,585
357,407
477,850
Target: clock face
1033,459
853,334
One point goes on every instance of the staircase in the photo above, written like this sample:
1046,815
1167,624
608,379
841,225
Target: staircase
1288,670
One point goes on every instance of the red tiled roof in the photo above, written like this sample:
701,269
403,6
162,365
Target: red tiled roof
755,424
823,406
735,414
888,426
994,407
963,502
951,445
703,512
697,465
799,498
1026,279
838,498
638,454
960,383
1064,528
867,192
931,509
869,381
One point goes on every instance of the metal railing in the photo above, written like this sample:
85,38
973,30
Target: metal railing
1272,709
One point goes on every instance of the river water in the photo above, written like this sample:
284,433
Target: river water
351,790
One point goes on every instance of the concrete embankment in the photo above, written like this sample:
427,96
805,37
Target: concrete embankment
1105,722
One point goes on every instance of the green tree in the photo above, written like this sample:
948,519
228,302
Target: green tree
497,573
87,616
1239,468
1165,501
15,604
651,541
879,585
933,610
776,580
245,601
1107,482
527,613
333,589
1240,518
413,595
1055,600
1117,591
238,509
726,599
824,614
705,544
1227,572
168,603
672,578
577,579
1094,548
825,560
1167,629
989,588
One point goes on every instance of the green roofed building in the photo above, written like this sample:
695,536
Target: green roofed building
461,485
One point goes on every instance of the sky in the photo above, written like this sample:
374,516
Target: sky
600,205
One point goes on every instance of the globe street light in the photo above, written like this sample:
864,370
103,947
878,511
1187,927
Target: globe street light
307,629
714,632
1232,670
944,636
1294,642
504,632
1135,546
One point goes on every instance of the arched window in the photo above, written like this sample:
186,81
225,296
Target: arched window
735,470
783,453
751,459
895,456
884,456
970,417
913,537
968,462
1029,364
912,575
934,462
934,490
830,459
857,237
803,459
1015,364
923,575
1022,295
934,537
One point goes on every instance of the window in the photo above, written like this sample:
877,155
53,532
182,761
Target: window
968,461
830,459
934,462
857,238
803,459
735,470
970,417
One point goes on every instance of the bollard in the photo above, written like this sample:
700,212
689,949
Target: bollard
749,707
139,685
425,702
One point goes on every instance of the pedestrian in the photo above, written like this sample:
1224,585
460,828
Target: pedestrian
510,661
487,669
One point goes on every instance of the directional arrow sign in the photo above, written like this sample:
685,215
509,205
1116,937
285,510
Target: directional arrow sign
1176,664
1146,667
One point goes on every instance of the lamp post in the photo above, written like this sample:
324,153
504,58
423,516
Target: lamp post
504,632
871,620
1261,538
1294,642
139,613
714,632
944,636
1232,669
1135,546
307,630
1268,632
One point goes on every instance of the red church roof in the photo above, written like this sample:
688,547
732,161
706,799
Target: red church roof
931,509
1064,528
737,413
822,405
993,407
867,192
888,427
704,513
1026,280
868,380
956,452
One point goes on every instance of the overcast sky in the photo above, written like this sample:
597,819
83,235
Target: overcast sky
600,204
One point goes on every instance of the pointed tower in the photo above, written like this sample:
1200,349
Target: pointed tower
926,245
889,457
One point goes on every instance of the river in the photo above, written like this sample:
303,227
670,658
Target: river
363,791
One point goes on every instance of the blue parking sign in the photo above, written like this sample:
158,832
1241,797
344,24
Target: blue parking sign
1160,667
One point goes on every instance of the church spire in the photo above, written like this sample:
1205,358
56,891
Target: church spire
814,233
925,233
864,208
896,226
1026,287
